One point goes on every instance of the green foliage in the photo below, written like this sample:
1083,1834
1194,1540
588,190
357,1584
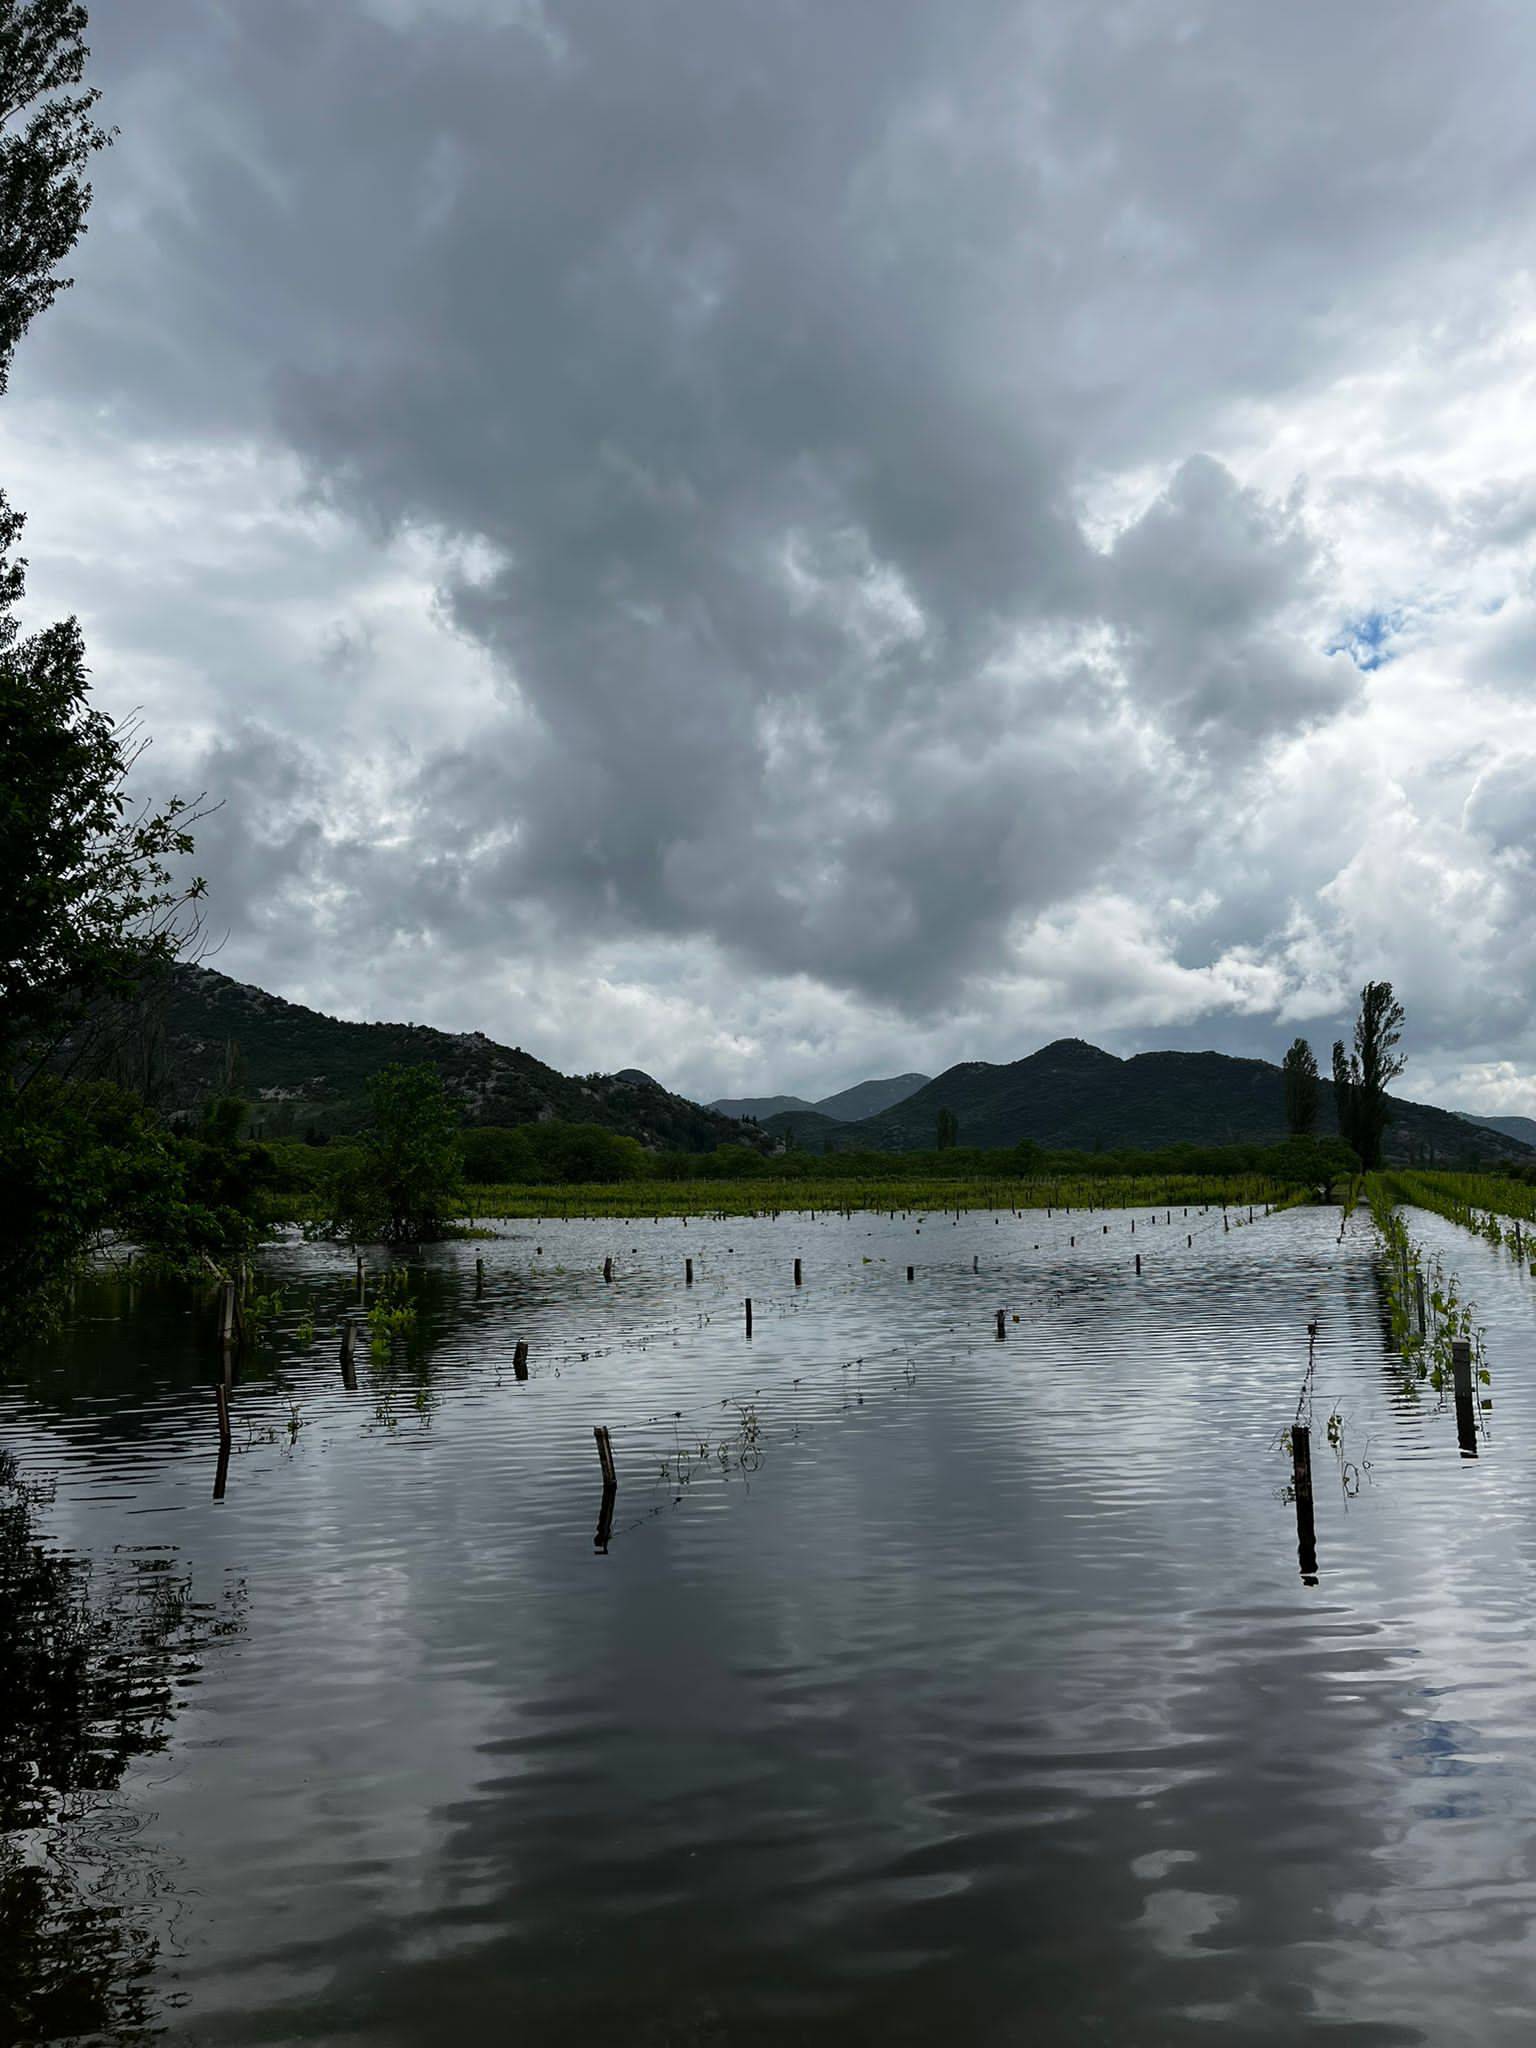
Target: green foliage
1476,1201
755,1194
90,903
947,1130
222,1170
84,1167
44,197
1299,1069
1424,1347
1361,1078
1315,1163
407,1181
392,1312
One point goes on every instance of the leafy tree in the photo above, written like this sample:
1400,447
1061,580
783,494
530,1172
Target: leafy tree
1305,1161
1361,1077
90,906
1344,1090
44,196
497,1157
85,1166
948,1130
1299,1067
408,1180
90,902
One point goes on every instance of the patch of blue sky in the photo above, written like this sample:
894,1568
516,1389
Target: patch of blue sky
1366,640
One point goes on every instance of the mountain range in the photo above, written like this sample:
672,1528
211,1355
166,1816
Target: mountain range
864,1099
1072,1096
305,1071
1522,1128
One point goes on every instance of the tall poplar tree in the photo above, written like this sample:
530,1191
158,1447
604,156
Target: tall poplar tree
1299,1068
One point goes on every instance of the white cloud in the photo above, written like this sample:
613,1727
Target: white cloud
773,555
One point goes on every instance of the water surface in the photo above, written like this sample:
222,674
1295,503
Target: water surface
918,1685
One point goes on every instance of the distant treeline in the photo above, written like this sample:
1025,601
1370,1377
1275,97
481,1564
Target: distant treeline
567,1155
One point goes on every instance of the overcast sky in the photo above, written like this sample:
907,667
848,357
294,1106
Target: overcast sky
778,540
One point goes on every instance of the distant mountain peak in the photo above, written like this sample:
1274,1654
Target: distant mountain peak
1078,1051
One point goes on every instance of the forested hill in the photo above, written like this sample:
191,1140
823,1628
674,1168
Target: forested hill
1072,1096
302,1070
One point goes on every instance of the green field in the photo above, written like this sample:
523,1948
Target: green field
762,1196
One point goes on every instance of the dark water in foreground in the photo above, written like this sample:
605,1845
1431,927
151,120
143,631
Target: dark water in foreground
963,1690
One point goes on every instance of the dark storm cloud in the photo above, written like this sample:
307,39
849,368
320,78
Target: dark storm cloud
810,404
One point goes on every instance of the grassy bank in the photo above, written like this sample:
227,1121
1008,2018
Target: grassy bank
762,1196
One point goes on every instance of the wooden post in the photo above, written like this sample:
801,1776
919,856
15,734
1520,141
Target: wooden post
749,1315
608,1271
1466,1407
348,1355
687,1272
797,1272
221,1395
479,1276
221,1471
1461,1367
1301,1477
975,1262
1418,1289
1189,1243
1138,1262
520,1358
605,1518
1002,1323
605,1457
910,1271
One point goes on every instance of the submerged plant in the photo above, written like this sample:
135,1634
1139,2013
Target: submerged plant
393,1313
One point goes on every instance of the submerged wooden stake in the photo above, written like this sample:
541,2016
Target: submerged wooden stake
605,1518
479,1276
221,1395
797,1272
1418,1289
749,1315
1002,1323
1301,1480
520,1358
608,1270
687,1272
605,1456
910,1271
1461,1366
1138,1262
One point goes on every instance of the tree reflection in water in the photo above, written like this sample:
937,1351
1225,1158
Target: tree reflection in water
91,1666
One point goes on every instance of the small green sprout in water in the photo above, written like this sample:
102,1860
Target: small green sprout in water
393,1313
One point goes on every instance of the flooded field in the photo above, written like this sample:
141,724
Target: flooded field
915,1684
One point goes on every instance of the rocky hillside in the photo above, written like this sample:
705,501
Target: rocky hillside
303,1070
